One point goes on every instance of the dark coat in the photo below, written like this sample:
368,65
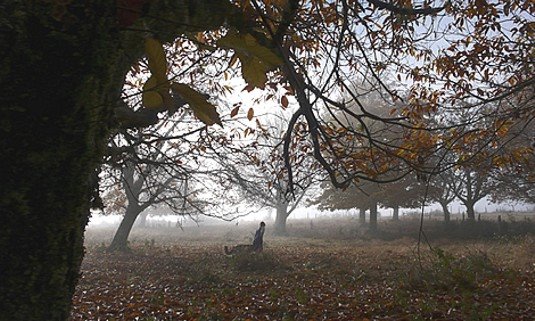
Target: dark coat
258,242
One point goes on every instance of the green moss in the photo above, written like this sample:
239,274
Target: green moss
61,75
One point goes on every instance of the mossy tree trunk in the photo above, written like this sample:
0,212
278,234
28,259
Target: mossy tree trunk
62,68
59,76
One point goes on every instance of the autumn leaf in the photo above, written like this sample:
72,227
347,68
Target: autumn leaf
156,58
203,110
151,98
250,113
256,59
156,89
254,72
284,101
234,111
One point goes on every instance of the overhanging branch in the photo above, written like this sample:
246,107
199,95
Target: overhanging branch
406,10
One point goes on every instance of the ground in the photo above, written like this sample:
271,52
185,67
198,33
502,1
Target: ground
328,271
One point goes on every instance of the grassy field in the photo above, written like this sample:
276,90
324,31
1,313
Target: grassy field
327,270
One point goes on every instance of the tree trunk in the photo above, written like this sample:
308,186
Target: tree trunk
373,216
470,212
362,216
62,69
280,220
395,214
446,211
58,87
120,240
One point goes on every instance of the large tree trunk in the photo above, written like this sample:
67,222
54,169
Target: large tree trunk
57,82
280,220
373,216
62,68
120,240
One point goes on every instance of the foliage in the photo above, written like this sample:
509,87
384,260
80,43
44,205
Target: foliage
355,196
447,272
514,173
458,276
361,126
256,60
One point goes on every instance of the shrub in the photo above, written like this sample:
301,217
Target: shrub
447,272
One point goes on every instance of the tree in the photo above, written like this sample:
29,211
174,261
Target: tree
470,185
364,196
443,193
64,64
406,192
256,170
142,192
514,164
149,167
472,180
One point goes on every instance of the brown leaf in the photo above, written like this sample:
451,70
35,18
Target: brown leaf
284,101
204,110
250,114
234,111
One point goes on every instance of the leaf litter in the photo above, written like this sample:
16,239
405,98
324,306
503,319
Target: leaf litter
297,280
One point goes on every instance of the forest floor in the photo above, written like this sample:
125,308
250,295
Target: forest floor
325,273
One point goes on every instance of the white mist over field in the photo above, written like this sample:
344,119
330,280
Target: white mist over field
484,206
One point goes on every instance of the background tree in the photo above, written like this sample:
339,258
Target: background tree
470,185
406,192
514,164
256,170
471,180
143,190
442,192
364,196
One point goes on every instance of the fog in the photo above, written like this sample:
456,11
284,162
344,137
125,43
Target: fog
484,206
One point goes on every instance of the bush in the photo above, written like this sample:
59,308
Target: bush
446,272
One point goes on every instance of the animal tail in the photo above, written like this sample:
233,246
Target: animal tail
227,251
